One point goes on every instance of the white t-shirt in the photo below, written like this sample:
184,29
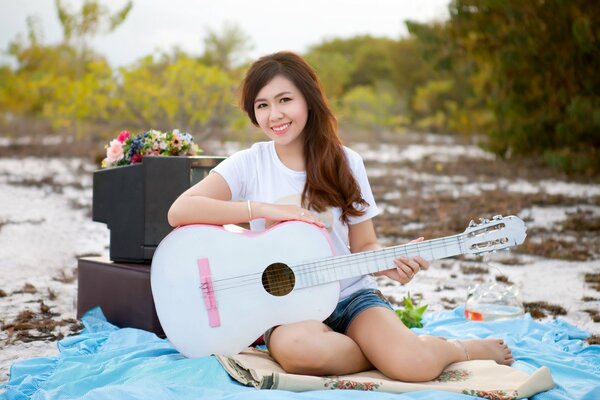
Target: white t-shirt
257,174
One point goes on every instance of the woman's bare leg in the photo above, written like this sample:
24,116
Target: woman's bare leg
376,339
400,354
311,347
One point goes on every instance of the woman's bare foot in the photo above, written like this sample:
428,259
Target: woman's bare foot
486,349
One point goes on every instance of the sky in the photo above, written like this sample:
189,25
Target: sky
272,25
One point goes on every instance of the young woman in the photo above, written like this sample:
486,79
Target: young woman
304,173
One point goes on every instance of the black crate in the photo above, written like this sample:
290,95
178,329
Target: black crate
133,201
121,290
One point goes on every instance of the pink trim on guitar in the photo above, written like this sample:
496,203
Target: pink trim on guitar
208,293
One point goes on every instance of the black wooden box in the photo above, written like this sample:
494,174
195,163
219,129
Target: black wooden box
134,200
122,290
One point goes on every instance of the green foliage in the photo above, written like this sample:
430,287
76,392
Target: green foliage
183,92
92,18
366,79
56,83
525,74
75,101
226,49
454,97
72,88
333,70
412,314
545,58
371,108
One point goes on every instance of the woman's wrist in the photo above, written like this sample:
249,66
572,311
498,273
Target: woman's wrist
255,209
249,207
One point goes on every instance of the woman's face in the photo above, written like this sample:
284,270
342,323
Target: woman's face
281,111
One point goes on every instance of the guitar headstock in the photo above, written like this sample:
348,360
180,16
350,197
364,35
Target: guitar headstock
495,234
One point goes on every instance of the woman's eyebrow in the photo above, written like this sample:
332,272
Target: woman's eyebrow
276,96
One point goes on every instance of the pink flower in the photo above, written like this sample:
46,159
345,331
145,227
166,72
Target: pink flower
123,135
176,142
136,158
114,151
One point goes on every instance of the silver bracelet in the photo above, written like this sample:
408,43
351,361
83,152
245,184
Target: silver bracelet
464,348
249,210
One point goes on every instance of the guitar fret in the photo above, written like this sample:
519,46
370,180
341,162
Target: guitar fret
460,245
315,276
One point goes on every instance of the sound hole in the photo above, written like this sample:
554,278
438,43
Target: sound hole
278,279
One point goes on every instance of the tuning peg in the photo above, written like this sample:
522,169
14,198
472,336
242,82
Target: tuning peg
484,221
497,217
472,224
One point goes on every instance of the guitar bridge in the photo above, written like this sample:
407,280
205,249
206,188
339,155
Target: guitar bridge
208,293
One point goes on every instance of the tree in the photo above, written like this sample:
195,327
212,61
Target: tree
226,49
92,19
453,90
182,93
372,109
333,70
544,58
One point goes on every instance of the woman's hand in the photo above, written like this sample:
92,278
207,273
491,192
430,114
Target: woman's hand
405,268
275,213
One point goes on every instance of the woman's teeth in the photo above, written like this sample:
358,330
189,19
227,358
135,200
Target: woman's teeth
281,128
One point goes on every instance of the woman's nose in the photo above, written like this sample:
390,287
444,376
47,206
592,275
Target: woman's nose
276,113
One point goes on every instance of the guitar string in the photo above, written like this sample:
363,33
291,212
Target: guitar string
245,289
343,260
309,268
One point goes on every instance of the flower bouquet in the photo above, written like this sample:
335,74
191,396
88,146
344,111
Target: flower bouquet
127,149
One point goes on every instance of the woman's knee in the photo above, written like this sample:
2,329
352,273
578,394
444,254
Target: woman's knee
297,347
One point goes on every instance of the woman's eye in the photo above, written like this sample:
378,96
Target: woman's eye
261,105
284,99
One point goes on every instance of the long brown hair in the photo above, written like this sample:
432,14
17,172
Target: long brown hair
329,180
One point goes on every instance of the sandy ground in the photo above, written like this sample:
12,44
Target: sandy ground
426,185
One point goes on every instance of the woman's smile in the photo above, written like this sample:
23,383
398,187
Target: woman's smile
281,129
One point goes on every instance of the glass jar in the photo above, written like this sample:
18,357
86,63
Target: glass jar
492,301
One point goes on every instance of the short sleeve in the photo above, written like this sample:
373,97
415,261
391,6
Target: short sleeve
235,169
360,174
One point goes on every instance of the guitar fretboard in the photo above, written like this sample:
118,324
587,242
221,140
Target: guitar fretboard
348,266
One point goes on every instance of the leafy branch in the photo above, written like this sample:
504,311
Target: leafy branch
412,314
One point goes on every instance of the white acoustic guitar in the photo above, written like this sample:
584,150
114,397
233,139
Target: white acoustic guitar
216,290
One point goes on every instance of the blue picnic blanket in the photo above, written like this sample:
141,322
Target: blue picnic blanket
104,362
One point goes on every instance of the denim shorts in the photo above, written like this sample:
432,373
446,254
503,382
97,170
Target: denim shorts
348,309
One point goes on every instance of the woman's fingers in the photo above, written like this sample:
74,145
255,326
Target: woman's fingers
286,212
423,264
412,266
307,216
405,270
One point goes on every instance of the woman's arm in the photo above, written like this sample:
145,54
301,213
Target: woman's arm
362,237
209,202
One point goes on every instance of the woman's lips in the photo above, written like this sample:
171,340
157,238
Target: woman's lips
281,129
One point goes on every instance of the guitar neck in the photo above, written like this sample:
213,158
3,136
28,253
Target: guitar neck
357,264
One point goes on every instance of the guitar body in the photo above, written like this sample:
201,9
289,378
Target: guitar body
212,294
